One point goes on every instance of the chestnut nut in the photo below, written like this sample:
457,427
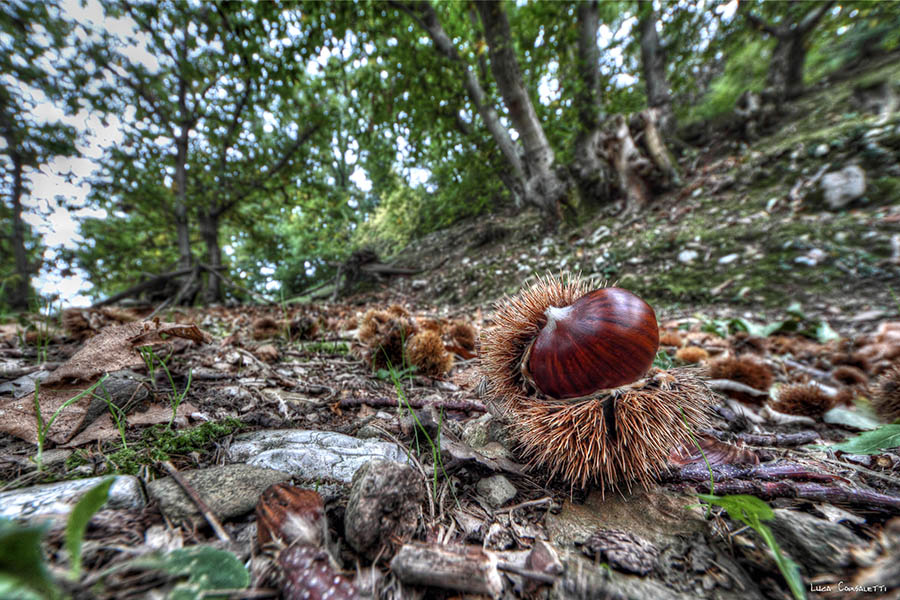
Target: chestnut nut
605,339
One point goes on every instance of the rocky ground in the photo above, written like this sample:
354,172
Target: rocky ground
272,450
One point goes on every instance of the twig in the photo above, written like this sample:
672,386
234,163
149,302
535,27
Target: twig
765,439
727,385
538,502
381,401
806,369
536,575
769,490
198,501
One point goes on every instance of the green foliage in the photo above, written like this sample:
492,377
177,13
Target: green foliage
751,511
160,443
872,442
745,70
23,574
78,520
205,568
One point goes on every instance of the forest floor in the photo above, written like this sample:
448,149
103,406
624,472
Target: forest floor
754,283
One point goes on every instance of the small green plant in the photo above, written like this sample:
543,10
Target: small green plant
76,525
751,511
42,427
116,412
23,573
176,397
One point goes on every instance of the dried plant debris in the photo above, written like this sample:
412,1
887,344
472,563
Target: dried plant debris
748,370
114,350
803,400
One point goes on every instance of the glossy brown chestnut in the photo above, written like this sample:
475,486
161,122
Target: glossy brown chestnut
605,339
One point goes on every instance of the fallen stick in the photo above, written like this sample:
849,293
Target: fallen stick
462,568
778,440
201,504
770,490
382,401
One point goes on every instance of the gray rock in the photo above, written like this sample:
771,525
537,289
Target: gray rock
312,455
384,504
230,491
840,188
57,499
497,490
819,545
728,259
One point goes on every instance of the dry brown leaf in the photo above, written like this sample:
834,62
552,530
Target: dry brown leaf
103,429
114,349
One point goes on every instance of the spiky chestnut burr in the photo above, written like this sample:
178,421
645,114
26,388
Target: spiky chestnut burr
886,400
606,435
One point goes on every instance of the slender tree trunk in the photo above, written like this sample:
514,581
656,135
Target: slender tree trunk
21,292
182,231
427,18
653,62
591,173
544,187
209,231
788,60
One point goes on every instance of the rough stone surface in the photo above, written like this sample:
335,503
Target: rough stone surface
57,499
819,545
230,491
840,188
622,550
497,490
384,504
312,455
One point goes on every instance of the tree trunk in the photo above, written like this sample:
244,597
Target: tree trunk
425,15
544,188
21,292
209,231
591,173
653,62
181,219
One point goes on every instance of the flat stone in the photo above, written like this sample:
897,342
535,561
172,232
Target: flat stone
312,455
686,256
230,491
497,490
57,499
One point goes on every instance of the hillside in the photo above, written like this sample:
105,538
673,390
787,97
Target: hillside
361,448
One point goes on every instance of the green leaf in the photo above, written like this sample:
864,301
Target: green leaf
825,334
207,569
872,442
741,507
13,589
89,504
21,563
750,511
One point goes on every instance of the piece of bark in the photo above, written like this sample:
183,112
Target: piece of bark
462,568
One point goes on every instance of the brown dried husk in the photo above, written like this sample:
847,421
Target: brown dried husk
571,439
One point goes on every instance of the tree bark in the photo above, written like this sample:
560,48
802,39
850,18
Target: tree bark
21,292
209,231
427,18
788,60
592,175
653,62
544,188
